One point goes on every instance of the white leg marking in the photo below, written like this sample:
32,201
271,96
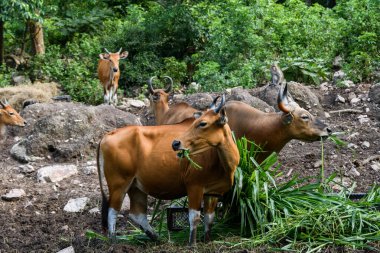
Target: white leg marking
142,220
208,220
194,218
112,217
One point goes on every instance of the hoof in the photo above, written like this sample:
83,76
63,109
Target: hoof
152,235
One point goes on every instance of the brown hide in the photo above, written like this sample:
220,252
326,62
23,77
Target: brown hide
140,161
108,71
271,131
176,114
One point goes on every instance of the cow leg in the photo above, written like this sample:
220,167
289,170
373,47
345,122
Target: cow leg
117,194
139,210
209,214
195,200
107,96
113,95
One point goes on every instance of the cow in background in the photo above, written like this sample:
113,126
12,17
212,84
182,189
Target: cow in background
109,74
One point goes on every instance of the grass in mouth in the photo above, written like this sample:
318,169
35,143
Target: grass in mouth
186,153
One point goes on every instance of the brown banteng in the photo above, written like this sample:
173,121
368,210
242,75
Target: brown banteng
9,116
140,161
109,74
272,131
160,105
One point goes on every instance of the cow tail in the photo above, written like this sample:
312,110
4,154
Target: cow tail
105,203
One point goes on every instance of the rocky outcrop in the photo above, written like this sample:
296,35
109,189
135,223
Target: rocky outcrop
66,130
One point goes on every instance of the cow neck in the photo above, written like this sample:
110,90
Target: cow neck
276,128
228,152
160,110
112,74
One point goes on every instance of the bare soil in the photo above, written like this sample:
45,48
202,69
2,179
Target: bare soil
37,222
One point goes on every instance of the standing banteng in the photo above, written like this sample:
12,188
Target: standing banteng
109,74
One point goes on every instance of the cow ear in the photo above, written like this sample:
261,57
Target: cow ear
104,56
124,55
287,119
223,117
197,114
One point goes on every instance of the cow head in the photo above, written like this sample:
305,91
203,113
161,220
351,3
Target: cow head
300,123
208,130
160,95
114,58
9,116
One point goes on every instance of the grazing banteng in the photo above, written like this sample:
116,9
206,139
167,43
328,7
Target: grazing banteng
160,105
140,161
109,74
9,116
272,131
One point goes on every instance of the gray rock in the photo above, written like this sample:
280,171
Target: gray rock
20,79
340,99
14,194
66,130
240,94
76,205
354,172
67,250
363,119
354,101
26,169
200,101
365,144
89,170
56,173
337,63
375,166
94,210
348,83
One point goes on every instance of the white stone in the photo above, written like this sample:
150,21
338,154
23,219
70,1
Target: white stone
94,210
67,250
14,194
348,83
338,75
354,172
194,86
318,164
26,168
354,101
136,103
89,170
365,144
352,145
352,136
327,115
375,166
340,99
76,205
56,173
351,96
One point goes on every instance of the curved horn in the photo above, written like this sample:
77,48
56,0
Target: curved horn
216,110
212,106
282,98
119,50
168,89
2,104
105,49
150,86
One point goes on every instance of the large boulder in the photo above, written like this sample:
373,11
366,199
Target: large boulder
63,131
243,95
200,101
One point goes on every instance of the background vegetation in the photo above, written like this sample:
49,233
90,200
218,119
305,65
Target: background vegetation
218,44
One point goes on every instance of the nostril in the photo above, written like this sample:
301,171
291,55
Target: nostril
115,69
26,122
176,144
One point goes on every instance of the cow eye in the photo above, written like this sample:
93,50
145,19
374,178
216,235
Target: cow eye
11,113
202,124
305,117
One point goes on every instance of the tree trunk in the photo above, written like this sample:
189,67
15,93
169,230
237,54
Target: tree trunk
37,37
1,41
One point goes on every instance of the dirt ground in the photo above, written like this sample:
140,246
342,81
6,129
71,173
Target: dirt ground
37,222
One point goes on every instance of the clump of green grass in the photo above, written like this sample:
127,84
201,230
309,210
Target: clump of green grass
297,215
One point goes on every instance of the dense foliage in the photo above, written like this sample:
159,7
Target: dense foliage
218,44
